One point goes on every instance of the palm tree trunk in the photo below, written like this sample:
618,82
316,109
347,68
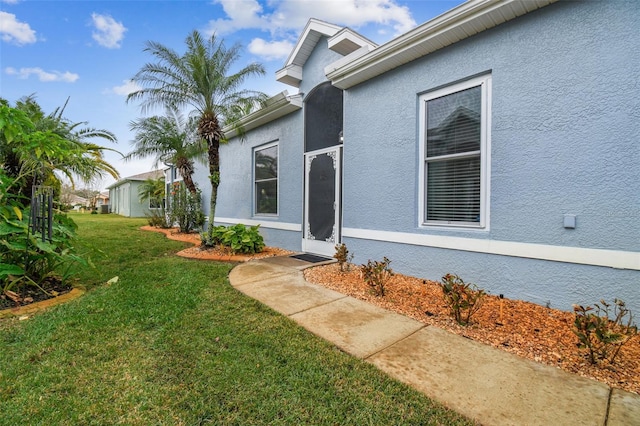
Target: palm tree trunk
214,177
188,182
209,129
185,167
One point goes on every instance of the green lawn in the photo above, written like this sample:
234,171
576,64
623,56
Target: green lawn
173,343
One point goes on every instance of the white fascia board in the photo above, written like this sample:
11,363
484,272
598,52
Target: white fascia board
276,107
457,24
291,75
311,33
579,255
347,41
351,57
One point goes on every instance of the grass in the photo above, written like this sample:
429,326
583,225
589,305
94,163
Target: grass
173,343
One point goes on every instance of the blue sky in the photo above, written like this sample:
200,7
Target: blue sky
88,50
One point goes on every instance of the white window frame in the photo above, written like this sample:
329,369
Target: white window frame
484,82
253,179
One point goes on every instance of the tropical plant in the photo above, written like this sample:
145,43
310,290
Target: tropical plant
237,238
171,139
153,191
49,143
27,259
201,78
29,154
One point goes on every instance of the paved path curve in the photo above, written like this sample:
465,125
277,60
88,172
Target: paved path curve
490,386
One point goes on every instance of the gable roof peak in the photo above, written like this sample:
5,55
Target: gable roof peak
341,40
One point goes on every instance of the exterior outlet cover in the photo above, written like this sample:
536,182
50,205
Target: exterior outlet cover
570,221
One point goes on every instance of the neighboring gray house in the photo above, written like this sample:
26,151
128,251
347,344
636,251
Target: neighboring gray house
123,195
499,141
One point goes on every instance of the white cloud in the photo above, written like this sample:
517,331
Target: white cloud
108,33
242,14
270,50
292,15
10,1
128,86
14,31
44,76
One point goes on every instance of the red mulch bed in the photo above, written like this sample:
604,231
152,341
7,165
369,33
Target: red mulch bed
213,253
531,331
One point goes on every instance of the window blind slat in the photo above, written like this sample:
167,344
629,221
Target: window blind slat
453,184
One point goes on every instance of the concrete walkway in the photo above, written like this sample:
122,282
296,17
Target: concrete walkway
486,384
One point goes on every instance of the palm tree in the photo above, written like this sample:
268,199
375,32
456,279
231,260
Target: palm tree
172,140
200,78
55,144
152,190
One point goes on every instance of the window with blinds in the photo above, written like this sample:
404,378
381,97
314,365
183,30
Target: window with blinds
454,143
265,175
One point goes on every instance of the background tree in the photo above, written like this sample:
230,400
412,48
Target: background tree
171,139
152,190
52,143
201,78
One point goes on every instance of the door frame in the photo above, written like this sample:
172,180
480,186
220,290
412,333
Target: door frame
310,245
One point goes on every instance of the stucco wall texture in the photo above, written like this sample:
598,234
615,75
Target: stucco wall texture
565,139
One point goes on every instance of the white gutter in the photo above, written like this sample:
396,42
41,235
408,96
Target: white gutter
457,24
276,107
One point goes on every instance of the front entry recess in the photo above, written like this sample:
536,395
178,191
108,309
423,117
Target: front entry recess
322,201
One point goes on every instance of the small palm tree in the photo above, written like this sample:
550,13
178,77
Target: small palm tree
152,190
172,139
200,78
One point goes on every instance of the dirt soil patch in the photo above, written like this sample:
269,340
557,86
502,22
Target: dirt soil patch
528,330
26,295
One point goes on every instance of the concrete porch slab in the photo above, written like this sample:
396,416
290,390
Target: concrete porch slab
357,327
289,295
257,271
492,386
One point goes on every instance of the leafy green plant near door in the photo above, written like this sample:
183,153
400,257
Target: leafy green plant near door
236,238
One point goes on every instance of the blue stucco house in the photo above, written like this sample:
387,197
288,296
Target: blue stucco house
499,141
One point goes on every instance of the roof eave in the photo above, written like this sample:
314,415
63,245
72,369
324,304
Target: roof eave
278,106
464,21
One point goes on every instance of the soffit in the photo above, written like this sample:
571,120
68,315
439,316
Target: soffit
457,24
341,40
275,107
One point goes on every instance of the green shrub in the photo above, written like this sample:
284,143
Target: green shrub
376,274
463,299
185,208
158,218
602,336
343,257
27,260
238,238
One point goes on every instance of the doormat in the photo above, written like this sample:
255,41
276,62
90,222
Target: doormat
312,258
